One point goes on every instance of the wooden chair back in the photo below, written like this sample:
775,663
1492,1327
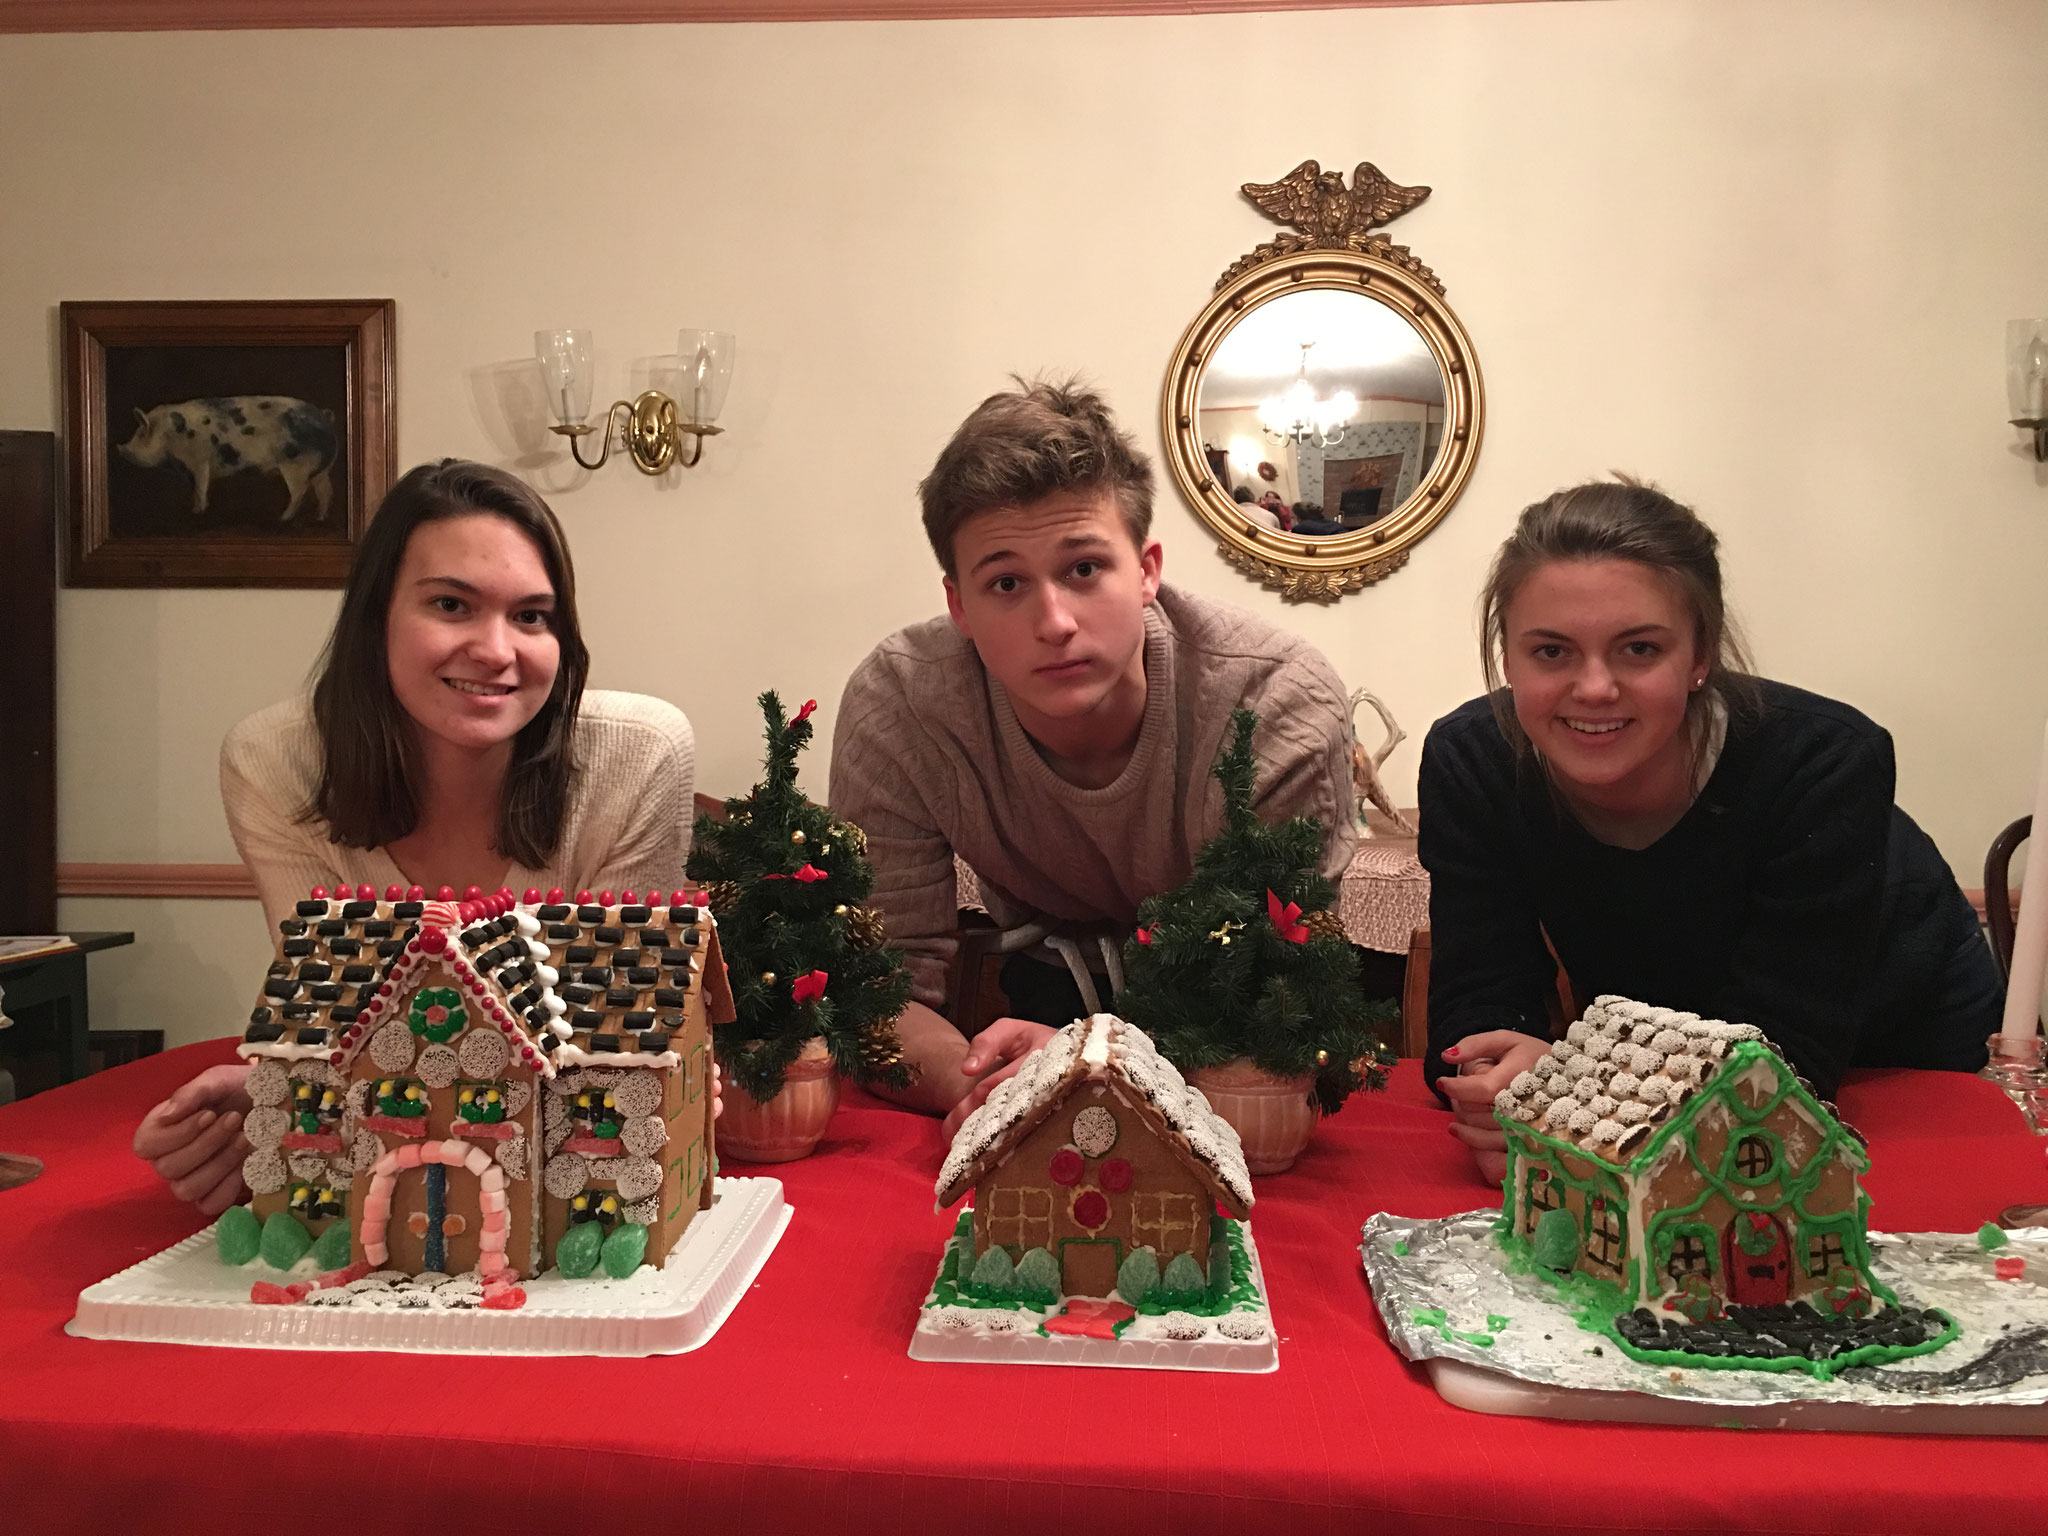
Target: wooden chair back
1998,891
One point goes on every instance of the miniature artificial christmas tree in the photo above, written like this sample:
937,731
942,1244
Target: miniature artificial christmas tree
1245,959
786,881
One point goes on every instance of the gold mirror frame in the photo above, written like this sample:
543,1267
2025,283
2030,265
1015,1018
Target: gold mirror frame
1332,249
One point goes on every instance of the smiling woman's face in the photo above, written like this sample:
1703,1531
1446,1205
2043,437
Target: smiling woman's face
1601,657
469,637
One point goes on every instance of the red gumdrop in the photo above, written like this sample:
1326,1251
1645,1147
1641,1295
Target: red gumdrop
1066,1166
532,896
556,896
416,893
676,898
319,893
446,893
394,893
508,1300
472,893
266,1294
583,898
1091,1209
433,941
628,899
366,893
604,898
1115,1175
334,1057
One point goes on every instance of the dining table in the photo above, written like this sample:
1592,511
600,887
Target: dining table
804,1412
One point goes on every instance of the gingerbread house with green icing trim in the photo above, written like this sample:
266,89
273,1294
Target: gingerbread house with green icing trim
1095,1150
1684,1163
489,1086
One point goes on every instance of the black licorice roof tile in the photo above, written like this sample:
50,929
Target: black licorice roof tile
604,1045
553,912
359,909
653,1041
345,947
653,938
609,935
579,954
403,910
590,914
312,909
297,948
263,1032
636,914
292,927
378,928
333,928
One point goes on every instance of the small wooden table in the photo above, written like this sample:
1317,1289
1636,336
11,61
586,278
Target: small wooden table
46,996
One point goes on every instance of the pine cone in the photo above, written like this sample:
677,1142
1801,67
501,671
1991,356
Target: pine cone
723,895
1326,925
864,928
847,832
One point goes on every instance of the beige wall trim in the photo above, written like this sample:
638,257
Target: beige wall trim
204,881
232,15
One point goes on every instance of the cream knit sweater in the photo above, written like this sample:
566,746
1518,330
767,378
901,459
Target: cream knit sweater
630,809
929,759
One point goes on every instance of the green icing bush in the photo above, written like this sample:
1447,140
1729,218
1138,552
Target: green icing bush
994,1272
330,1249
1555,1242
285,1241
1038,1277
1138,1276
239,1235
624,1250
576,1255
1183,1284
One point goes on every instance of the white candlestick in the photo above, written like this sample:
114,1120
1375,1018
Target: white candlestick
2030,938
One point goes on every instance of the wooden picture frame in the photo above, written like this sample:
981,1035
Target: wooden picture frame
225,443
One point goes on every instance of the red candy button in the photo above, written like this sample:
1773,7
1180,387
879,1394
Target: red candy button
1091,1209
394,893
319,893
532,896
556,897
2009,1266
629,900
416,893
1066,1166
583,898
604,898
366,893
1116,1175
433,941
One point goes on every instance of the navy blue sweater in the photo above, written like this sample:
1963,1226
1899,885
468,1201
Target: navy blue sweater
1793,895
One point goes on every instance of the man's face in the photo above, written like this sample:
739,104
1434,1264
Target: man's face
1053,595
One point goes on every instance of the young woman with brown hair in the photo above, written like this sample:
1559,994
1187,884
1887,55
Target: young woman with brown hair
1630,802
448,742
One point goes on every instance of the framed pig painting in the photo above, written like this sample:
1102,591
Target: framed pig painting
223,443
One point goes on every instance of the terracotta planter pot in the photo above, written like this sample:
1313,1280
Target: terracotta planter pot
787,1126
1273,1116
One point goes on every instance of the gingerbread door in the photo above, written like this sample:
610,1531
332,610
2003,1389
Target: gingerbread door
1757,1260
1088,1266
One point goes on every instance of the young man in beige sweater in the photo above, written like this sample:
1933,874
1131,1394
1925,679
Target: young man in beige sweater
1056,728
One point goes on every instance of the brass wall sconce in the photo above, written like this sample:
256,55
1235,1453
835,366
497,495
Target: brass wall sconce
651,426
2026,379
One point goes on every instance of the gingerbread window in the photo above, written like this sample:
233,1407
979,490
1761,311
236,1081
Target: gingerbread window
1823,1253
1019,1218
1168,1223
1604,1244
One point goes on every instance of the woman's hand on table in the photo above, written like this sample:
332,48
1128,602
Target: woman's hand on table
194,1139
992,1056
1486,1064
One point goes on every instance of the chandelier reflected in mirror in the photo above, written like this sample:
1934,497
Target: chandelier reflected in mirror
1300,415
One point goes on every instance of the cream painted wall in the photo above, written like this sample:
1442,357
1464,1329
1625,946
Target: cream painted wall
1775,244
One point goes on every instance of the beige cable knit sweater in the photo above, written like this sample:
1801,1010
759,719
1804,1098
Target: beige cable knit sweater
630,810
928,758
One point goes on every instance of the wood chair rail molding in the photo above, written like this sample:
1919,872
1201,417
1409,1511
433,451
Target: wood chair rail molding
185,881
240,15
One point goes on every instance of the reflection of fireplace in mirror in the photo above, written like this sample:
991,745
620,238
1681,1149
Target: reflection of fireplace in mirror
1356,490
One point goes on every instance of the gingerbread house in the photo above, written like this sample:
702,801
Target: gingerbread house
1095,1149
1693,1167
466,1085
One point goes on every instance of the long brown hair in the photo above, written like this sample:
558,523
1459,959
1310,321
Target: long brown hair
369,746
1623,519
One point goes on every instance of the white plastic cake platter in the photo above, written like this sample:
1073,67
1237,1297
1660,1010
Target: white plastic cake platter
185,1295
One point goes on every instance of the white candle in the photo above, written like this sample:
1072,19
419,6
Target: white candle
2030,938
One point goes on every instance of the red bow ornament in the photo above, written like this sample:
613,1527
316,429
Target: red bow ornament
805,713
808,989
1144,935
1284,920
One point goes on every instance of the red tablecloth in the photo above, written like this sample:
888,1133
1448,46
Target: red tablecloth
805,1414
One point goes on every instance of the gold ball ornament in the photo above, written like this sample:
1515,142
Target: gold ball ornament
840,910
1322,1058
767,978
797,836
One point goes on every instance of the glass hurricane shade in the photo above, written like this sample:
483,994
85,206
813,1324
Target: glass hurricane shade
2026,369
706,358
566,374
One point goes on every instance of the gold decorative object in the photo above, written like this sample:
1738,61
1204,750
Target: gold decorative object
1378,315
722,896
652,425
767,978
864,929
797,836
1324,924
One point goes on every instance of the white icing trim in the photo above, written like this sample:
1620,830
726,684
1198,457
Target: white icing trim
279,1050
576,1056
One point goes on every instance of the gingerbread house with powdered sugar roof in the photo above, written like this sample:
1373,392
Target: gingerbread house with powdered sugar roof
1693,1167
466,1085
1097,1148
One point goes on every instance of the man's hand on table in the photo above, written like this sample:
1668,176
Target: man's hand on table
1486,1064
194,1139
993,1055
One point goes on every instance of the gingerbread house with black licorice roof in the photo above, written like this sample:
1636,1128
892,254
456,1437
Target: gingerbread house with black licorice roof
422,1071
1095,1148
1697,1167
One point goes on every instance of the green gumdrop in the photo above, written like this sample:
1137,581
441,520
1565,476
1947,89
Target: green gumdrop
239,1235
285,1241
1038,1275
994,1271
1183,1279
624,1249
1138,1276
1556,1239
576,1255
1990,1237
330,1248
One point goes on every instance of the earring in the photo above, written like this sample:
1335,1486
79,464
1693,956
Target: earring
1698,683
